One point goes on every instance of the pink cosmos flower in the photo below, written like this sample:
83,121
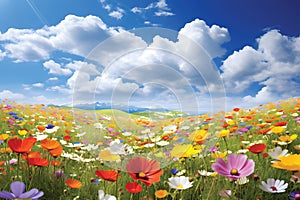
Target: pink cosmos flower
238,166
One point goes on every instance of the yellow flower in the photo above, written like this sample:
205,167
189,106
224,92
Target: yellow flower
112,126
107,156
198,135
4,136
288,139
22,132
277,129
184,150
218,154
290,162
161,194
223,133
5,150
231,122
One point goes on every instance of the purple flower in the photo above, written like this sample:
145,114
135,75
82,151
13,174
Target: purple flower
17,189
294,195
243,130
238,166
213,149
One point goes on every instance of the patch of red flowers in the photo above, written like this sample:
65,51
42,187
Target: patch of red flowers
257,148
108,175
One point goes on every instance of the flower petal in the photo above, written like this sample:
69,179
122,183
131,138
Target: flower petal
30,193
7,195
17,188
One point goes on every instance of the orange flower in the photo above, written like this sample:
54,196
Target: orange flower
161,194
31,154
55,162
109,175
21,146
56,152
49,144
41,128
72,183
147,171
41,162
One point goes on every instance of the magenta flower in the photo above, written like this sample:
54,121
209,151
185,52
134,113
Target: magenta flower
238,166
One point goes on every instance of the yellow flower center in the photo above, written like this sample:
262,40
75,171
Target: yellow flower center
234,172
142,174
180,186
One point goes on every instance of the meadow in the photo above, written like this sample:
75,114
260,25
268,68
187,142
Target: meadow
49,152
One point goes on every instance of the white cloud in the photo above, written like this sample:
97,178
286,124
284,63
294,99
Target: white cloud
118,14
34,45
53,79
209,38
162,4
62,89
2,55
163,13
274,65
38,85
160,8
26,44
136,10
55,68
79,35
7,94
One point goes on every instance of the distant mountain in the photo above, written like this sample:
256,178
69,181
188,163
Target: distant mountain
102,106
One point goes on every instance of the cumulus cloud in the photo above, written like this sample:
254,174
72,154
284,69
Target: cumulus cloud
118,14
26,44
210,38
274,65
75,35
55,68
161,71
7,94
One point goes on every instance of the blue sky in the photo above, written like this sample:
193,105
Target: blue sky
53,52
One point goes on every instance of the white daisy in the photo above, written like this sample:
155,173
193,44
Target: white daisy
205,173
180,183
275,153
106,196
273,186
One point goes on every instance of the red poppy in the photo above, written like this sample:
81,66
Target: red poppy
280,124
67,138
56,152
225,125
21,146
41,162
236,109
257,148
147,171
133,187
108,175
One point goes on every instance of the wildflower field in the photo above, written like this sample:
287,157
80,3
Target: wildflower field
49,152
